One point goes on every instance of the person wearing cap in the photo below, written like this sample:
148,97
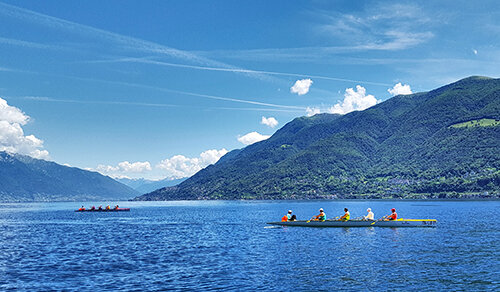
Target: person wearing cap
287,217
370,216
346,216
393,216
321,216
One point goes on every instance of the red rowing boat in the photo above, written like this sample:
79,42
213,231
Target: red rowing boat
103,210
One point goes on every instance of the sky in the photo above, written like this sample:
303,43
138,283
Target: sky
160,89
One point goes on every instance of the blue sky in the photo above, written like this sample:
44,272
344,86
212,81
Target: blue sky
163,88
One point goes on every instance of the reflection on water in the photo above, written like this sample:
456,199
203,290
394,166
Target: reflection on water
227,245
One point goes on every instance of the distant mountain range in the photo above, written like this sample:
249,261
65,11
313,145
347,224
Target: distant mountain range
145,186
444,143
25,179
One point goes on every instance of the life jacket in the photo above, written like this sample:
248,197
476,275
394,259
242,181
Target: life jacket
284,218
393,216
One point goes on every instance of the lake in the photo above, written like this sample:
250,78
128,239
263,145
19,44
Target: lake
212,245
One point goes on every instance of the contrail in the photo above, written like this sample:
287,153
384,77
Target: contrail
189,93
126,41
238,70
136,85
147,46
50,99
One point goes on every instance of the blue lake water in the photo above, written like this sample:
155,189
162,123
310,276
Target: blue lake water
227,245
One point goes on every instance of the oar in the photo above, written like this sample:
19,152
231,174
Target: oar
310,219
379,219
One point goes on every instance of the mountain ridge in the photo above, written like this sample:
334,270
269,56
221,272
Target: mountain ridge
27,179
400,147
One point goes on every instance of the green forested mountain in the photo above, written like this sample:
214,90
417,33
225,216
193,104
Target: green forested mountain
440,144
25,179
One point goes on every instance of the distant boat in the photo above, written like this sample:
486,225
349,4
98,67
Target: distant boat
104,210
360,223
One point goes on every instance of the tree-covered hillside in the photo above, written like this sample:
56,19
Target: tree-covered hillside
25,179
408,146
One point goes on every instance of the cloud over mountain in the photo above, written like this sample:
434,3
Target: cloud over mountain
270,122
252,137
12,137
180,166
400,89
354,100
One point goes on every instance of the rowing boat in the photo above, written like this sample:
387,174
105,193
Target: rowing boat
104,210
360,223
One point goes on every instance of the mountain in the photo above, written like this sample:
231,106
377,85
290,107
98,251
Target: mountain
438,144
145,186
25,179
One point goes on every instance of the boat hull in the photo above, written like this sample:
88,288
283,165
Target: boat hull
360,223
104,210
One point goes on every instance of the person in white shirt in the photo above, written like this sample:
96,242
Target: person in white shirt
370,215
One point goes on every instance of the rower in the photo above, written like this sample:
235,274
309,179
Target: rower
370,216
100,207
92,208
393,216
320,217
293,218
108,207
289,215
81,209
346,216
116,207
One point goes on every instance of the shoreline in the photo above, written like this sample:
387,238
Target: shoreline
267,200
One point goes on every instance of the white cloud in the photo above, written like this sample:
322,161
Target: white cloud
400,89
12,114
179,166
379,27
12,138
311,111
301,87
270,122
134,167
106,169
354,101
124,167
252,137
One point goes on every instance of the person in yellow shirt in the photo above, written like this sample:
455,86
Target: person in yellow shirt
346,216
